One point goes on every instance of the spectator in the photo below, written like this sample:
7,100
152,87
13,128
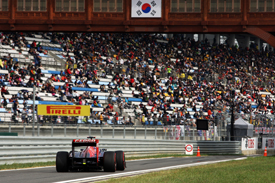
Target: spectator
5,103
101,118
4,90
24,116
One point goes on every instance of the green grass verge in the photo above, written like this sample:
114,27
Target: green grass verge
258,169
25,165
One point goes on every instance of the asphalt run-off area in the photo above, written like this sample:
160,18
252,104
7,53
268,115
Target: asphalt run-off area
135,167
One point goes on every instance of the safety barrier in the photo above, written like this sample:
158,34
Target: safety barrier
41,149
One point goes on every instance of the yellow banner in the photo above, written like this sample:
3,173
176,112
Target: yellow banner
63,110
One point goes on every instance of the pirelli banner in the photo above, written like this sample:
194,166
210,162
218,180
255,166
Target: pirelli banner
63,110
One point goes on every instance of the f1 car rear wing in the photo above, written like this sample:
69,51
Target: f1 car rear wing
85,142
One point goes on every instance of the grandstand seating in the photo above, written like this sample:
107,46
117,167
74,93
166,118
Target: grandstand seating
50,67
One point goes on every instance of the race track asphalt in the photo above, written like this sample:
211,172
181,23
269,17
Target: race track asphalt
49,174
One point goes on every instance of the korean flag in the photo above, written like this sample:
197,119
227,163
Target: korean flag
146,8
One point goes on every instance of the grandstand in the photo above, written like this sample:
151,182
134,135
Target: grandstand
133,79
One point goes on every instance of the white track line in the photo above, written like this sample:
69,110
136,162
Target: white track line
104,177
148,159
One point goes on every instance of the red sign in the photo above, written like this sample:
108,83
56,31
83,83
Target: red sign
63,110
251,143
270,143
189,148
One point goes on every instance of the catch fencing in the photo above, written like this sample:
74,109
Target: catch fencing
38,149
169,132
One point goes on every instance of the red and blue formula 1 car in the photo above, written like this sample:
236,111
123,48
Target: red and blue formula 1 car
89,158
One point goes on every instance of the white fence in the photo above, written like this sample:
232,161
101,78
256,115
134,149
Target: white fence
42,149
173,132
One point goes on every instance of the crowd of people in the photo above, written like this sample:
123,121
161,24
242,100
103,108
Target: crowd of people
160,71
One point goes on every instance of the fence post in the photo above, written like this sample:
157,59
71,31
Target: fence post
165,134
9,127
52,131
145,133
135,134
124,132
193,133
214,132
38,129
175,133
220,128
65,130
101,131
89,130
77,130
184,133
155,132
113,131
24,130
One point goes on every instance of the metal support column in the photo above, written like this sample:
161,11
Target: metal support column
89,130
175,133
24,130
231,40
38,129
232,121
33,109
52,131
113,132
101,131
145,132
155,132
135,133
124,132
258,43
214,138
184,133
217,37
77,131
65,130
193,133
9,128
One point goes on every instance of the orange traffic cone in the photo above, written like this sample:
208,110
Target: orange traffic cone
265,152
198,152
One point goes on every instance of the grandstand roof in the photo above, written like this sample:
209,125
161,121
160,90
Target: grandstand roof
205,16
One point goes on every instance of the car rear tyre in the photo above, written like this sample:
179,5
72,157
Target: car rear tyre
109,161
120,160
62,162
